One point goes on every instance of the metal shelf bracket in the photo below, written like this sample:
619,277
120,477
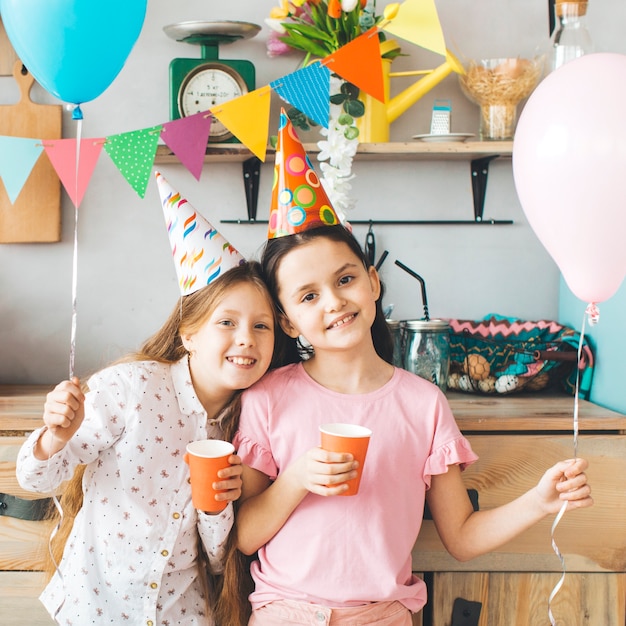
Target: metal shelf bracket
480,173
251,177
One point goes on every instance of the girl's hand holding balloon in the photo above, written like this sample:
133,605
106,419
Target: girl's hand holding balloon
565,482
64,411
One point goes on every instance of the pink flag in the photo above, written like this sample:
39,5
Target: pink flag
74,167
187,138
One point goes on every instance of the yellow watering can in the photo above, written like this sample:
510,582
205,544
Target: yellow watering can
374,124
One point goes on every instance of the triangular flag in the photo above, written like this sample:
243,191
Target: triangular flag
307,90
63,155
247,117
359,62
18,156
133,154
417,21
187,138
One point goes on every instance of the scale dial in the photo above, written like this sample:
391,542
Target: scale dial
206,86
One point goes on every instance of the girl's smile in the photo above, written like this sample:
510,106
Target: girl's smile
328,296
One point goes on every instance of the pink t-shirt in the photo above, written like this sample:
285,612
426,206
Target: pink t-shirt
346,551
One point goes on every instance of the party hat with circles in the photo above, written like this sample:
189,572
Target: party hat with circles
200,252
299,201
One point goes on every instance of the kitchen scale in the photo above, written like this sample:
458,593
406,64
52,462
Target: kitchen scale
198,84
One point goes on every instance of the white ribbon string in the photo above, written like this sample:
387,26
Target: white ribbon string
593,314
79,130
57,503
53,534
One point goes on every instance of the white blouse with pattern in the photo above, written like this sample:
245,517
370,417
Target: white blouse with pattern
132,554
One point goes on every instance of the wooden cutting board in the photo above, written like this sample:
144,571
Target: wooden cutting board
36,214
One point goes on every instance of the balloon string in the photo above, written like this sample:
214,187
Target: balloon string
79,130
57,503
593,313
53,534
555,547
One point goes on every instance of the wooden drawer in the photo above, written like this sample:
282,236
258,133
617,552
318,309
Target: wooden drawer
23,543
521,599
19,603
591,540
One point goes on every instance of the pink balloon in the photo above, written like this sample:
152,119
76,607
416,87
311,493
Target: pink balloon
569,167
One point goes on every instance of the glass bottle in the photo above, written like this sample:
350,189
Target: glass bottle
570,38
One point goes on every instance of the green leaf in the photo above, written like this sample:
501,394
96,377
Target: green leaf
345,119
338,98
273,140
309,31
302,43
351,91
355,108
351,132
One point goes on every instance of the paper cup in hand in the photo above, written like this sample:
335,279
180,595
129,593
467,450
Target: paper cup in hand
347,438
205,459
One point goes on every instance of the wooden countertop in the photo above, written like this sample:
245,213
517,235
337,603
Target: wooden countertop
21,408
530,412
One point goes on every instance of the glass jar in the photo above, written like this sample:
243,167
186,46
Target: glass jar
497,86
397,333
427,350
570,38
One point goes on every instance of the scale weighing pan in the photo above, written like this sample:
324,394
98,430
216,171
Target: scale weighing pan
203,32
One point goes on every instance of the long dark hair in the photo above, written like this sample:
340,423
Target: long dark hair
274,252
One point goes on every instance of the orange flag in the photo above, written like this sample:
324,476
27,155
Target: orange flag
359,62
247,117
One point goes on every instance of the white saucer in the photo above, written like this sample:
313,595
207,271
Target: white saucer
441,138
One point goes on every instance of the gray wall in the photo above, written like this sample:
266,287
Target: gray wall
126,280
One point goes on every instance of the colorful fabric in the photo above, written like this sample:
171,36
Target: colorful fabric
299,201
324,552
532,355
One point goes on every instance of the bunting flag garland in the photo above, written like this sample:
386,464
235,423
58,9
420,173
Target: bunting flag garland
62,154
133,154
187,138
307,89
359,62
247,117
18,156
417,21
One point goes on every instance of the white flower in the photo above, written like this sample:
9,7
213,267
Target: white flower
348,5
339,152
275,25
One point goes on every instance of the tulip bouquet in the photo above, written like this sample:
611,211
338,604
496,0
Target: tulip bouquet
318,28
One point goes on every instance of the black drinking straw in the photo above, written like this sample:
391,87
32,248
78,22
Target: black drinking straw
422,283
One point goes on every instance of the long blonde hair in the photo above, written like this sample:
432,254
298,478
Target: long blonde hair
166,346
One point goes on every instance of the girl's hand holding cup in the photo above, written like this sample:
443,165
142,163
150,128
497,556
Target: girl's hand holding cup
228,487
214,473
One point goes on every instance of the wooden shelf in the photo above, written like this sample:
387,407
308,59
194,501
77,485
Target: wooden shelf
393,151
478,153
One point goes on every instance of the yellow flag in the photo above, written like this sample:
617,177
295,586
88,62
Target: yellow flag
417,21
247,117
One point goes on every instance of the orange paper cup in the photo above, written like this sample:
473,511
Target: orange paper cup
205,459
347,438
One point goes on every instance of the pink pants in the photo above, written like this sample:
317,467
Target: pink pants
289,612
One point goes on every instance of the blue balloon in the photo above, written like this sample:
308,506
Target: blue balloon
73,48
